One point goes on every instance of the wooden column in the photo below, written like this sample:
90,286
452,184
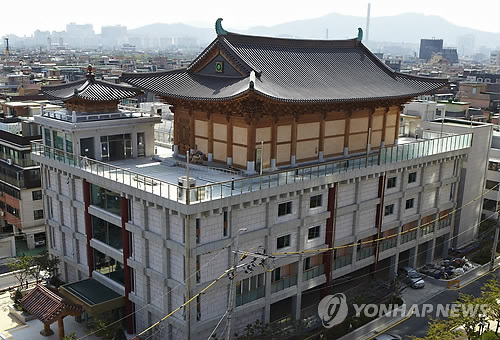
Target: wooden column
60,328
274,141
396,126
384,124
347,132
293,150
88,226
321,147
251,142
229,142
210,135
191,130
370,129
127,277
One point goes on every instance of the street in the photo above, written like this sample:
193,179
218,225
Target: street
417,326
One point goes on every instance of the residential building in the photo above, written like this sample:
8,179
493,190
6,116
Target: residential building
22,223
294,155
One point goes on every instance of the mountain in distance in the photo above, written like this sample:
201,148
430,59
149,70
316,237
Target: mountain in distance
407,28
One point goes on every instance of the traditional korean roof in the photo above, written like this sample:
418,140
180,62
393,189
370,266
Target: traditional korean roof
90,89
290,70
47,306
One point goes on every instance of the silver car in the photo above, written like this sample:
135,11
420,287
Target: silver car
412,278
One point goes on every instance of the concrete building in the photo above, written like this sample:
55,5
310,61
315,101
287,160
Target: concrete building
21,206
303,167
428,47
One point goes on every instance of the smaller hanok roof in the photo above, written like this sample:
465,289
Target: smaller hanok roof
47,306
90,89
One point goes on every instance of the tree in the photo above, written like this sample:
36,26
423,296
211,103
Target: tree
439,330
468,315
491,294
44,266
21,269
71,336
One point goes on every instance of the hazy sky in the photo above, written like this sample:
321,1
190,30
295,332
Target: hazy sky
22,18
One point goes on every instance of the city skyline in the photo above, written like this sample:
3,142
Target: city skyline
236,16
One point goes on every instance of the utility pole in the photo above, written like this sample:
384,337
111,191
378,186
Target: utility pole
495,242
230,305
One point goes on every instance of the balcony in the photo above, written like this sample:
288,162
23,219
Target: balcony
443,223
408,236
363,253
388,244
285,283
428,229
250,296
229,187
313,272
342,261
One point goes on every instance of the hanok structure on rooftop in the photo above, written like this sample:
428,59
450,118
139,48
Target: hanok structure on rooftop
90,94
303,100
49,307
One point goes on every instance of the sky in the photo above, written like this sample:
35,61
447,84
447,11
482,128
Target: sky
53,15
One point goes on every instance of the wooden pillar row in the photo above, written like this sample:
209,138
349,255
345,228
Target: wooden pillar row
384,125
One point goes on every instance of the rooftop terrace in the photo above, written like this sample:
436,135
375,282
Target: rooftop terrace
161,176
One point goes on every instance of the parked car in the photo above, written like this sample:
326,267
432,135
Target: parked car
411,277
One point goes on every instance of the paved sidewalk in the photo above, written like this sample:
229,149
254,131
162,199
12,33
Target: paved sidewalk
7,321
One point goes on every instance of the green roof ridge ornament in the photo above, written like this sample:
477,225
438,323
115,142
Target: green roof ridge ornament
360,34
218,27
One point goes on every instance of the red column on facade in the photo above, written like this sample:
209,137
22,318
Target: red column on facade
126,268
329,239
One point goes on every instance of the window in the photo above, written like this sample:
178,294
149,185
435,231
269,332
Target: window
225,226
38,214
315,201
107,233
313,233
141,145
409,203
412,177
389,210
109,267
283,242
48,139
284,208
36,195
391,182
250,289
276,275
307,264
105,199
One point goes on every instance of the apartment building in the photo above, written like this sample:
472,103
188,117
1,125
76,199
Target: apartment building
285,163
21,206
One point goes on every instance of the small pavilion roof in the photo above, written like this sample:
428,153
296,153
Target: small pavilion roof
290,70
47,306
90,89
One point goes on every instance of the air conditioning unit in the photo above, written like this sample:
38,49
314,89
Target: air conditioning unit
9,161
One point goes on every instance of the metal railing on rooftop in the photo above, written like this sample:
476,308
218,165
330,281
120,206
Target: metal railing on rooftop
234,187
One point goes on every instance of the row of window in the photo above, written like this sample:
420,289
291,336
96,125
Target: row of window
285,208
389,209
392,181
284,241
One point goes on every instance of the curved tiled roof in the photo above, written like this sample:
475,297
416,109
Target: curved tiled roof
90,89
47,306
292,70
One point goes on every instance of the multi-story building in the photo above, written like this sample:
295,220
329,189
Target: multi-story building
21,208
304,161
